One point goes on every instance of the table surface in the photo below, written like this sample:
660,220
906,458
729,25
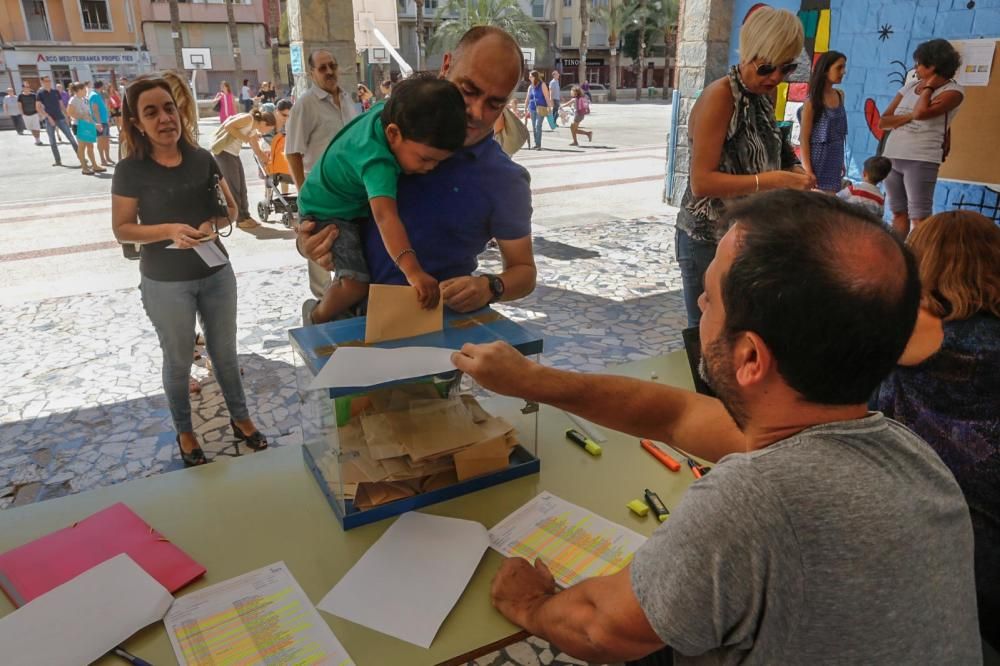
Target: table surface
237,515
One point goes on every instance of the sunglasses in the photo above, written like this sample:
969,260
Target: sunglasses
768,69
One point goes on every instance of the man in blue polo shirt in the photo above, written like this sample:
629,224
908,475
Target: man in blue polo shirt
51,107
478,194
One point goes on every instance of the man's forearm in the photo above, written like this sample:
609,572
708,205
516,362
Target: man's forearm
295,166
518,281
573,620
696,423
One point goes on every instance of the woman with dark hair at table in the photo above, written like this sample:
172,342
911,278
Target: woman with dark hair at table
165,196
919,117
946,387
736,147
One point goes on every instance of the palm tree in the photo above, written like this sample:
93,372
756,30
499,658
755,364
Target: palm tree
617,17
457,16
274,28
234,39
421,47
642,13
175,28
664,18
584,40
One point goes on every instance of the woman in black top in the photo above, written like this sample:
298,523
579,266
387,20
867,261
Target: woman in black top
166,196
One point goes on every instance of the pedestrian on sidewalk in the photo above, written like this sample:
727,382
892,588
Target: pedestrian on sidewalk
166,192
243,128
537,104
27,102
115,107
87,126
580,107
225,103
555,93
246,97
13,109
99,109
51,107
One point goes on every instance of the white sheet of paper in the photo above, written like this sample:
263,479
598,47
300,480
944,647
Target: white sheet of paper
211,254
409,580
256,611
368,366
977,61
84,618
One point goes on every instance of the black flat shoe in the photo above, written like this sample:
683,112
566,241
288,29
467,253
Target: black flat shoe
256,441
193,458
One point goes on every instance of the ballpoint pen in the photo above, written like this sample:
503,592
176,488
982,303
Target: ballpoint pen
129,657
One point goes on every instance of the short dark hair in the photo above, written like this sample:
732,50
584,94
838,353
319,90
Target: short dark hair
877,168
939,54
98,84
829,289
427,110
283,104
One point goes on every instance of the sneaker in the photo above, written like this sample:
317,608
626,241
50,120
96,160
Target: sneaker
308,306
248,223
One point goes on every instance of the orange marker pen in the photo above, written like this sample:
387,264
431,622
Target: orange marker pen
660,455
695,468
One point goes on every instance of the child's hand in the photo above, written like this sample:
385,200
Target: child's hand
428,292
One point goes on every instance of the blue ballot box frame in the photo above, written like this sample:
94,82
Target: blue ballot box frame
313,346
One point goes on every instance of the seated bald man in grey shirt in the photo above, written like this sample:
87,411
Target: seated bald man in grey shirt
826,534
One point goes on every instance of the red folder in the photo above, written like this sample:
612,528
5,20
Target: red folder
33,569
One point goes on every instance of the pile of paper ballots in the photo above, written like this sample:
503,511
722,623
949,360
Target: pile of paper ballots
406,440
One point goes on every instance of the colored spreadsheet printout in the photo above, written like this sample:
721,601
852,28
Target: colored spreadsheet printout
261,617
574,543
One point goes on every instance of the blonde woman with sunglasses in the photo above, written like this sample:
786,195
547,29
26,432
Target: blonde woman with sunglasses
736,147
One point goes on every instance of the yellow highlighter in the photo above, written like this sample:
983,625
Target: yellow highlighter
584,442
638,507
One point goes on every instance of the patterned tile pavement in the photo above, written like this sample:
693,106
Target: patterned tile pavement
83,404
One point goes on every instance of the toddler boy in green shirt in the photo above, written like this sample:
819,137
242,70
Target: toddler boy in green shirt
422,124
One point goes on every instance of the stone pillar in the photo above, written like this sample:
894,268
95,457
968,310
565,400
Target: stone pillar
702,57
324,24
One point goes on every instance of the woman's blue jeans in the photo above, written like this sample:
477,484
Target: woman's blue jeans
694,256
537,122
172,307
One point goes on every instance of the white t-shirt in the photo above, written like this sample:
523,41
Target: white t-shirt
245,93
921,140
234,145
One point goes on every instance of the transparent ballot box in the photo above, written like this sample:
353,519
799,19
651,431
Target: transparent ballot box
393,444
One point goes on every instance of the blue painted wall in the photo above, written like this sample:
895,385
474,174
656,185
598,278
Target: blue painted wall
854,30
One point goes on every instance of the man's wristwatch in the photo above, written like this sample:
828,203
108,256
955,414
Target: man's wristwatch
496,287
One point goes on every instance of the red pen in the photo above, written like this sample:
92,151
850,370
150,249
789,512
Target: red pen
695,468
660,455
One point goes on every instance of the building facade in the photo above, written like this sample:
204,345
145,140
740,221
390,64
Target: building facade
204,23
69,40
657,65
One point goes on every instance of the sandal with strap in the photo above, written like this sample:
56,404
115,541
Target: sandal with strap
191,458
256,440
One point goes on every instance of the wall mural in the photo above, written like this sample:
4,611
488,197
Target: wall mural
879,37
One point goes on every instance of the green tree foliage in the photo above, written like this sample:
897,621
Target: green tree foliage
457,16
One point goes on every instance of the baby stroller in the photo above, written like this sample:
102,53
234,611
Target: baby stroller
285,205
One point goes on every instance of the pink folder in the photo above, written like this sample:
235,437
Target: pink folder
33,569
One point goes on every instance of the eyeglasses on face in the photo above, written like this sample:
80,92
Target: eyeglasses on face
767,69
327,67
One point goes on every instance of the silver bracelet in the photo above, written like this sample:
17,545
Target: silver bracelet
399,256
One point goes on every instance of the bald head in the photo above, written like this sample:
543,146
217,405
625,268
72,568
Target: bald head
499,40
486,66
831,292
